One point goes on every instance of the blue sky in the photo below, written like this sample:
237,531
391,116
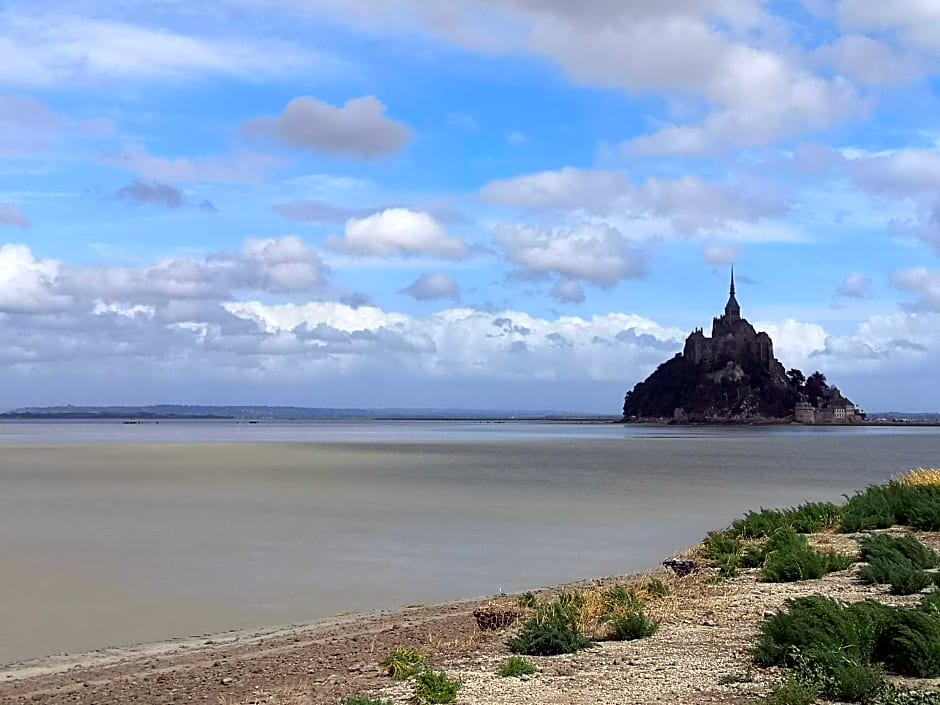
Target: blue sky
486,203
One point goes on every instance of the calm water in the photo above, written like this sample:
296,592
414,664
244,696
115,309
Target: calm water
115,534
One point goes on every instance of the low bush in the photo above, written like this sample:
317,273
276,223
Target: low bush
897,561
839,678
658,588
632,624
516,667
897,503
789,557
905,548
402,664
720,543
823,631
805,519
434,687
931,603
552,630
620,598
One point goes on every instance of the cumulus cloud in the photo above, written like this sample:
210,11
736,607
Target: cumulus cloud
154,193
595,253
359,128
42,50
433,287
855,285
395,232
567,291
13,217
568,188
27,284
242,168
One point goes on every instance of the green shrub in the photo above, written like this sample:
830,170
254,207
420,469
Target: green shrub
931,603
792,691
910,644
720,543
658,588
819,629
515,667
789,557
909,582
883,506
805,519
363,700
433,687
402,664
820,625
905,548
552,630
840,678
632,624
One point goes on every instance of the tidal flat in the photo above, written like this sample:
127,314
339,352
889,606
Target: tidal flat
115,544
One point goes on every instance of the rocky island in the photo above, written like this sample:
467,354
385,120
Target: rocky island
733,377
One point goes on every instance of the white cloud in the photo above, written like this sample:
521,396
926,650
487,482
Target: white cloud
26,284
398,231
13,217
923,282
916,22
567,291
65,50
359,128
855,285
433,287
244,168
870,61
683,206
596,253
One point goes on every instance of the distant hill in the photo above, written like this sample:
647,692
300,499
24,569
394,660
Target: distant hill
284,413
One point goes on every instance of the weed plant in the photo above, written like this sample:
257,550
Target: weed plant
528,600
792,691
363,700
434,687
402,664
516,667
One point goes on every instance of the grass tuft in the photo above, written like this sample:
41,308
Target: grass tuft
364,700
553,629
516,667
403,664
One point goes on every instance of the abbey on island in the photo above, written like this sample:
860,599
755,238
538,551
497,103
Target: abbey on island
733,376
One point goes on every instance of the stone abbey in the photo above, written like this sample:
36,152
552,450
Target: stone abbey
734,340
732,376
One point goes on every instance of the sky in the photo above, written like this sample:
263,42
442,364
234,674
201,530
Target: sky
486,204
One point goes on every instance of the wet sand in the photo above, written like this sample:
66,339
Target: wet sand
109,545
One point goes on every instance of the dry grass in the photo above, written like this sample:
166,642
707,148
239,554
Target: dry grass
921,477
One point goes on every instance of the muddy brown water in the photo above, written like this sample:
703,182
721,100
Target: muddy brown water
113,535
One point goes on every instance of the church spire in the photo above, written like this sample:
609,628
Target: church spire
732,309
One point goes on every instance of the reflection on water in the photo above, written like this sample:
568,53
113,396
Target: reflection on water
114,533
